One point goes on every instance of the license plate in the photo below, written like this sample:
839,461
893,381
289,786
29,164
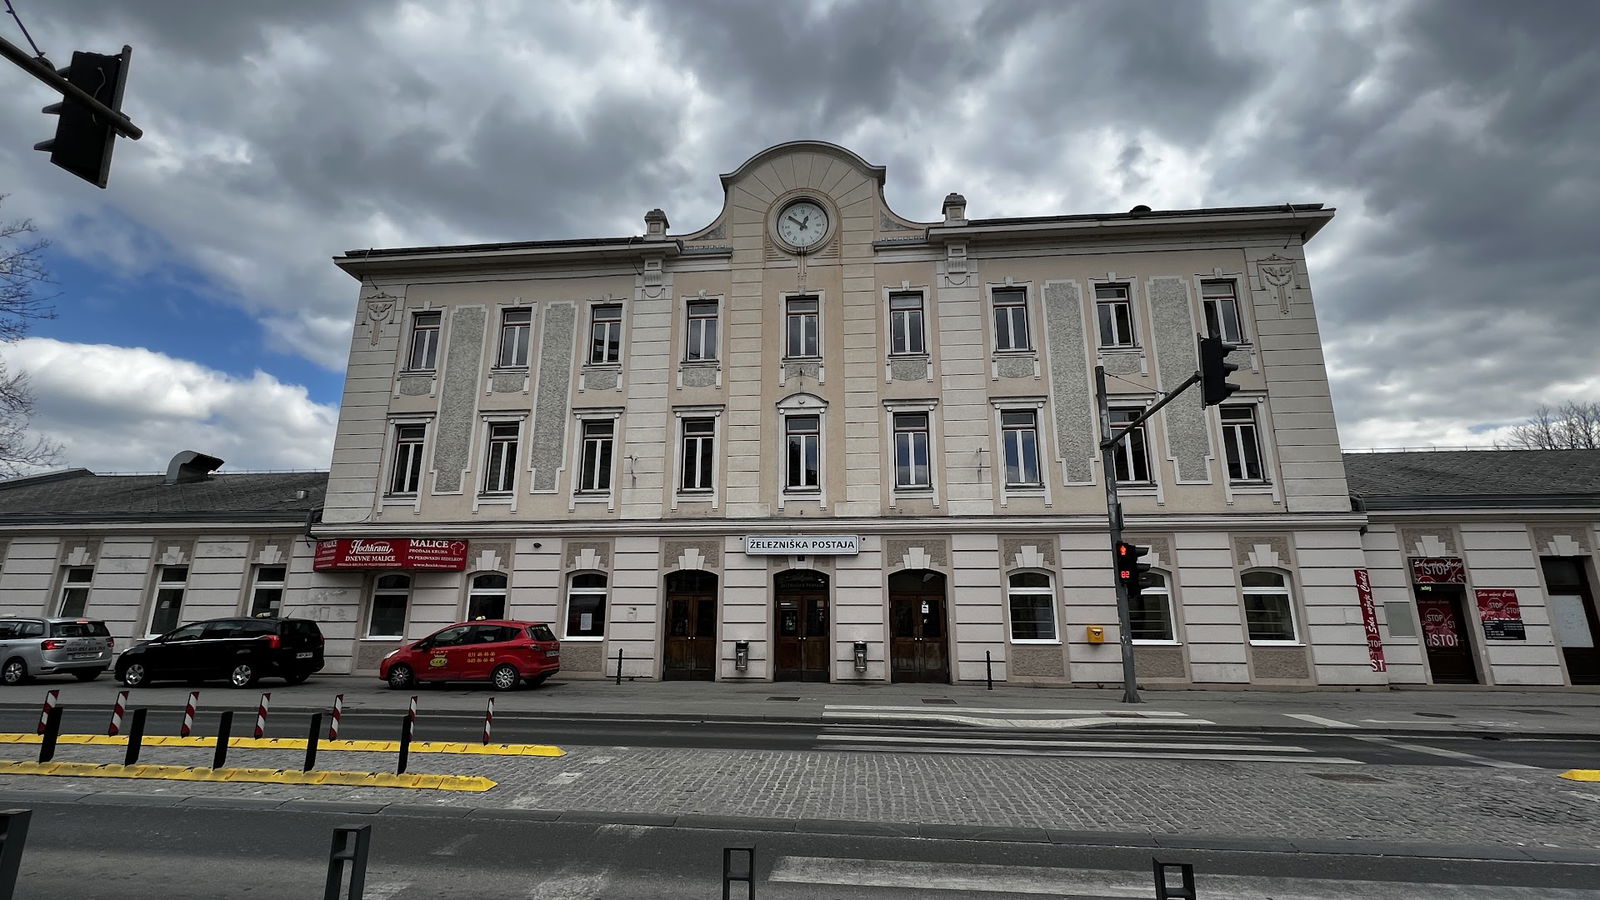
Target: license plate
85,656
552,653
302,656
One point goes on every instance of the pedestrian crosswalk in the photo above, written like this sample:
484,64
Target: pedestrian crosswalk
985,717
1153,745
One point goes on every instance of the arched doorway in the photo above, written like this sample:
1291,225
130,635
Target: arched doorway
800,626
918,648
690,647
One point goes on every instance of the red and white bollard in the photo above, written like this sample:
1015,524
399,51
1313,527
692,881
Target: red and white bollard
117,710
50,698
261,715
412,713
187,727
338,710
488,720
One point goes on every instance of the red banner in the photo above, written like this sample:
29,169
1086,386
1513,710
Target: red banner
1369,621
1438,570
391,553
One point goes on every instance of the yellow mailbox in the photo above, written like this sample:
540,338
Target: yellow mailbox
1097,634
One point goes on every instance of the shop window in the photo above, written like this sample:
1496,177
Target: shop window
586,606
486,599
390,596
1033,607
1268,607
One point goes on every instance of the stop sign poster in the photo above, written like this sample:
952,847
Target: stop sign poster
1501,614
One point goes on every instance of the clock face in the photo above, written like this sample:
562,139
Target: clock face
803,224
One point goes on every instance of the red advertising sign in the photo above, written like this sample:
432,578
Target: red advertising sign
1369,622
1501,614
391,553
1438,570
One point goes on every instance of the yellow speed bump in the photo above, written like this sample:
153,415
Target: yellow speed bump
418,781
1582,774
300,744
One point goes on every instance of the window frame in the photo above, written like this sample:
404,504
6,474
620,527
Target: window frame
1006,431
789,318
1124,303
522,341
899,431
430,333
69,587
1164,591
258,584
1013,299
1048,591
1233,442
607,452
704,452
1123,453
496,445
397,459
815,441
694,331
1210,310
1286,590
378,589
608,353
602,592
163,585
477,592
907,323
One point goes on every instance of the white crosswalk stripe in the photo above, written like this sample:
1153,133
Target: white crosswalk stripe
989,717
1242,749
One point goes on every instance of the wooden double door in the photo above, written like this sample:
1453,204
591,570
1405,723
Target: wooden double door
691,637
919,648
800,628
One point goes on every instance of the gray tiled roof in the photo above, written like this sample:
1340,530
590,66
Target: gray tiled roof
1475,477
78,495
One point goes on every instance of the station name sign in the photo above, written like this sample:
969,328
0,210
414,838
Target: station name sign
803,545
419,554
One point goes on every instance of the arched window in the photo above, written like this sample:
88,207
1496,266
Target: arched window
1268,607
1150,619
487,597
390,594
586,606
1033,607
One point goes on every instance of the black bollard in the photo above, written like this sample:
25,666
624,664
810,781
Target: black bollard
350,845
312,738
988,670
405,746
52,730
135,737
13,838
224,725
619,665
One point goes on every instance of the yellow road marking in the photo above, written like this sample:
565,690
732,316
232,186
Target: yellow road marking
253,776
167,740
1582,774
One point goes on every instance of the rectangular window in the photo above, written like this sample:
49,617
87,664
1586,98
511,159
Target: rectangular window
389,597
595,476
1268,608
911,468
1033,607
1132,455
1221,302
1115,314
500,465
1242,443
168,608
905,323
1021,438
514,327
702,331
424,341
1011,320
586,606
800,314
75,591
267,597
699,458
803,469
1150,617
605,334
407,475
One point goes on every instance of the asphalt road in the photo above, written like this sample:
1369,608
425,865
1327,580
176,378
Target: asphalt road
131,850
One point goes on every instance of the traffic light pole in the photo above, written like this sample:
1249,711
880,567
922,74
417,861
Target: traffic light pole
119,123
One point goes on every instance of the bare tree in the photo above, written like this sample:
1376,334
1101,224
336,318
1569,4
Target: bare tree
1574,426
22,275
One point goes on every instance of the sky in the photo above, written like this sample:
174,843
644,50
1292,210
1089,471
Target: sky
1457,288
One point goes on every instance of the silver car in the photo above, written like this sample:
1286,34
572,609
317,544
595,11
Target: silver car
53,646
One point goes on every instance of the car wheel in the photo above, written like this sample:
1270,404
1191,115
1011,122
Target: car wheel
87,674
134,675
14,672
537,680
505,678
400,677
242,675
296,677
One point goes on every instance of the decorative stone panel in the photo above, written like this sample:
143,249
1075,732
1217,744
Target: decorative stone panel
489,557
1159,662
270,552
416,385
914,369
811,370
707,553
1036,662
586,657
718,232
1069,380
370,653
1014,552
1562,540
1188,439
1428,542
1261,550
699,376
896,553
79,553
174,552
507,382
601,379
550,403
1285,663
458,400
1015,366
589,556
1127,362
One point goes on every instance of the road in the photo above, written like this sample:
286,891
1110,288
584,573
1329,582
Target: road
127,849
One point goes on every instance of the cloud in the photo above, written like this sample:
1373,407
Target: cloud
127,409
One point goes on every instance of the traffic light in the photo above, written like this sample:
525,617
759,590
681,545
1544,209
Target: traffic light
1131,572
1215,369
84,139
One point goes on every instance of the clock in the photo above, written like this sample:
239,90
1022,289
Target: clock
803,224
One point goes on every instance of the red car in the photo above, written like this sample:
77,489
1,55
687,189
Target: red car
502,652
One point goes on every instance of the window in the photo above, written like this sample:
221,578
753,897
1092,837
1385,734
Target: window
1221,302
595,476
1132,455
1150,617
1011,319
75,591
1115,314
905,323
800,314
389,598
486,599
1021,439
407,475
605,334
1242,444
168,607
701,342
911,451
1268,609
514,327
267,596
586,606
802,467
1033,607
424,341
699,458
500,465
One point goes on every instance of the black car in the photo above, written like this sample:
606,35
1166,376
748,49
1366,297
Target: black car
240,650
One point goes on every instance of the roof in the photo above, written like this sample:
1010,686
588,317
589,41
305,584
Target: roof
1458,478
80,496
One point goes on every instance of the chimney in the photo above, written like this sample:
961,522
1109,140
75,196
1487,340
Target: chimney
955,209
655,225
190,466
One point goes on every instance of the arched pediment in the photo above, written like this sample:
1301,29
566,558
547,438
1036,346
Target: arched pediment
802,402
